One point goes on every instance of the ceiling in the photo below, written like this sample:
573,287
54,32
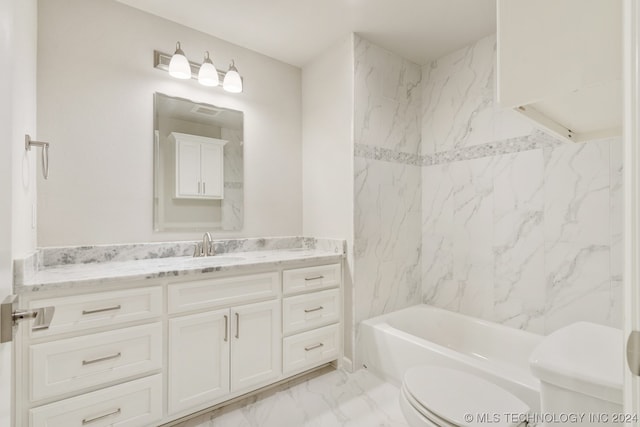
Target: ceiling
296,31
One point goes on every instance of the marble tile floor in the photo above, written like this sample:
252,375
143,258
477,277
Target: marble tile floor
332,398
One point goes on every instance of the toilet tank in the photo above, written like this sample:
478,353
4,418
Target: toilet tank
580,368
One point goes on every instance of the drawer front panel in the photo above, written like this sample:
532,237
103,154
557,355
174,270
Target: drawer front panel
211,293
311,278
310,349
134,404
80,312
308,311
73,364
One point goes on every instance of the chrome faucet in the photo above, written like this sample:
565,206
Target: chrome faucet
205,248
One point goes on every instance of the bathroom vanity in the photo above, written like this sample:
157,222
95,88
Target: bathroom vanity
144,342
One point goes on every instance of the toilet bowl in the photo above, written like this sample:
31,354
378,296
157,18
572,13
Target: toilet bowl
433,396
580,372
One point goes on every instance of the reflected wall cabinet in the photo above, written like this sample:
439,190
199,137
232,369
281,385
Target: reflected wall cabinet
199,166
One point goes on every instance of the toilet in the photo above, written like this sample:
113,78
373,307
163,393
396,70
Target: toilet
580,368
437,396
580,372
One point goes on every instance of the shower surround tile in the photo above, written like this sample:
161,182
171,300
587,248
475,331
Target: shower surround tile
387,178
387,99
577,199
616,212
517,226
387,239
578,284
458,107
524,239
472,235
518,240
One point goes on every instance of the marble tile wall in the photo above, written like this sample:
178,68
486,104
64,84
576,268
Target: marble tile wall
517,227
232,214
387,169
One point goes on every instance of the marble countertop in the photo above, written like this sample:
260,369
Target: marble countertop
70,276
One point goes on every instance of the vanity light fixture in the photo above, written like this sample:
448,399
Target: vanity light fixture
179,66
232,80
207,74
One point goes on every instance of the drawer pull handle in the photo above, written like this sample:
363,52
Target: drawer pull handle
313,278
99,417
237,325
226,328
101,310
313,347
101,359
311,310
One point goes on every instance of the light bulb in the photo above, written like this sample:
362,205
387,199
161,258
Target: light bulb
179,66
208,75
232,80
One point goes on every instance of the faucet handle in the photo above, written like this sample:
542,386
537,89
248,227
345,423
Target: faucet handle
197,250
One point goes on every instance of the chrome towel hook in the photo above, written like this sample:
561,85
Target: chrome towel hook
28,143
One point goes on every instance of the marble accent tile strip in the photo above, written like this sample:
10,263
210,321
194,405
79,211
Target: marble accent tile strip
387,155
535,140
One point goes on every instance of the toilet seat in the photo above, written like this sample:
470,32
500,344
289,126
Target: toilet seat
442,397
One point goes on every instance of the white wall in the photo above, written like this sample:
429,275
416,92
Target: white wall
327,154
17,178
23,108
95,104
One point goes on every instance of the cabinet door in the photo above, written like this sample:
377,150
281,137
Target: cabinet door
198,359
212,170
256,345
187,169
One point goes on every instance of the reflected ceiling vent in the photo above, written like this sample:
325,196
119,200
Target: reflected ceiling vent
206,111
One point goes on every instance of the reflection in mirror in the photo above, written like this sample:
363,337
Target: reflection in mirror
198,167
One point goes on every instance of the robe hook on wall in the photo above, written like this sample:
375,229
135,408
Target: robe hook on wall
28,143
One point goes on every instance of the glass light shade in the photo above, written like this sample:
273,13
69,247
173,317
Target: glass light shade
232,80
208,75
179,65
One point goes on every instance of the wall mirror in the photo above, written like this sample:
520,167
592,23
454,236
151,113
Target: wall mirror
198,166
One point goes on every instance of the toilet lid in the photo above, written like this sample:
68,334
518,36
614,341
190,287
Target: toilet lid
462,399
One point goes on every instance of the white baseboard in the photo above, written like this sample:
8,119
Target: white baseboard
347,364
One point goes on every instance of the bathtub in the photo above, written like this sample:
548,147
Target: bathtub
418,335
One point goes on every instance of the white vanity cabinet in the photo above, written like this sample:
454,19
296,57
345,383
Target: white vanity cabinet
99,363
256,352
199,166
219,352
311,313
146,353
198,359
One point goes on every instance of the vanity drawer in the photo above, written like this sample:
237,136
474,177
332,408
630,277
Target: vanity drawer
133,404
212,293
311,278
72,364
81,312
310,349
310,311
